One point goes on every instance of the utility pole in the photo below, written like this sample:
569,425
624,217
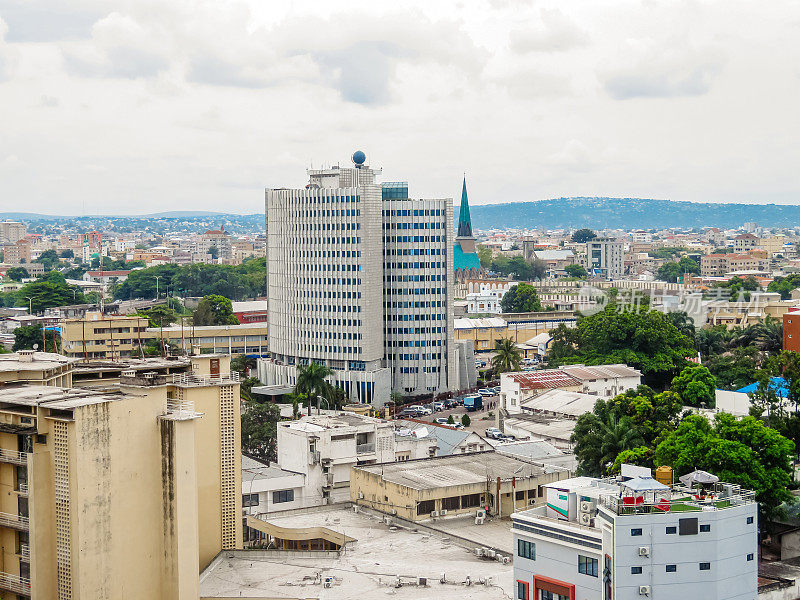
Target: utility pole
157,277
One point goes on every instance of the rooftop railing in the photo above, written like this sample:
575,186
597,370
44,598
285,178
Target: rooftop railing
718,496
365,448
14,583
181,409
189,379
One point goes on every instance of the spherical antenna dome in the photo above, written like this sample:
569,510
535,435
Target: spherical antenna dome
359,157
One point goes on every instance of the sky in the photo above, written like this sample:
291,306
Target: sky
127,107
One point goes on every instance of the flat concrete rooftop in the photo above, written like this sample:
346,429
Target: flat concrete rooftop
457,469
367,568
55,397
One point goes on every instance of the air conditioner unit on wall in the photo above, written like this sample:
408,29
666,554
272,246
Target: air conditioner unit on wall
585,519
644,590
644,551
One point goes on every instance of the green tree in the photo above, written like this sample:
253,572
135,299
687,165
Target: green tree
600,436
48,292
696,386
785,285
67,253
669,272
214,252
484,256
633,335
581,236
451,420
465,420
214,310
687,265
311,381
17,273
27,336
48,258
576,270
160,315
743,451
506,356
522,297
260,429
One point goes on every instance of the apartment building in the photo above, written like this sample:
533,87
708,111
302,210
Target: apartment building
360,279
744,242
127,490
12,231
487,301
718,265
323,448
215,238
605,258
104,336
35,368
627,540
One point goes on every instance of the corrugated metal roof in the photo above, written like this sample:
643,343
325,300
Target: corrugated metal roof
585,372
532,380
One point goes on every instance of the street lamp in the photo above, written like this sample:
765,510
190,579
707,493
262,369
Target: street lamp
157,278
30,305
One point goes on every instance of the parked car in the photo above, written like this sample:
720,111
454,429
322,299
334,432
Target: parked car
496,389
486,392
494,433
409,412
438,406
440,420
422,410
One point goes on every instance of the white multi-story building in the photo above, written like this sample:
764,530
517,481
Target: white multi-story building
605,258
638,539
487,300
360,279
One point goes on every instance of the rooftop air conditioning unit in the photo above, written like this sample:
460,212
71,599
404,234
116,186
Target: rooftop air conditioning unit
434,513
394,512
506,560
423,581
585,519
531,501
489,553
360,496
478,551
644,551
443,512
587,506
644,590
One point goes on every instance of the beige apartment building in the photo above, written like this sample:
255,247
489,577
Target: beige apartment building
124,492
102,336
717,265
12,231
35,368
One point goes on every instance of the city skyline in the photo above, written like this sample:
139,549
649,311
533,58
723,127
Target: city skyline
185,108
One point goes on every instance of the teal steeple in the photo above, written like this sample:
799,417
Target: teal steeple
464,222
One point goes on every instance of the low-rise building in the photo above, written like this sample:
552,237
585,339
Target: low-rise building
35,368
452,485
443,440
104,336
602,539
252,311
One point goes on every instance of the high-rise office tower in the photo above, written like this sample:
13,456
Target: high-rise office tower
360,279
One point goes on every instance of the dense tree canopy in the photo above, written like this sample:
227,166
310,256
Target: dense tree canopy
520,298
518,268
49,259
49,291
785,285
696,386
160,316
633,335
672,271
582,236
28,336
214,310
575,270
17,273
259,429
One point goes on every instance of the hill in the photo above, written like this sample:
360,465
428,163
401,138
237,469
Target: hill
629,213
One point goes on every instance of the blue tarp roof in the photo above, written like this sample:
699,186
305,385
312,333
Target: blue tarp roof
777,383
464,260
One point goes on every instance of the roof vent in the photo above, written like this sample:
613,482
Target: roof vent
25,355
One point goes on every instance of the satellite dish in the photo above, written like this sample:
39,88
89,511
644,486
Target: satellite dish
35,347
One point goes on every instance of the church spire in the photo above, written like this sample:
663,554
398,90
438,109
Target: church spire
464,222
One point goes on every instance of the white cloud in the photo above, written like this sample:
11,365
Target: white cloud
554,32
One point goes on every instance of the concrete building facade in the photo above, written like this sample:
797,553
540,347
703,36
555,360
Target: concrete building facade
605,258
360,279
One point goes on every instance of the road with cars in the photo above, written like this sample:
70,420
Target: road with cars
479,420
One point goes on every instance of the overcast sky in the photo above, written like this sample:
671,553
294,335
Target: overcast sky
142,106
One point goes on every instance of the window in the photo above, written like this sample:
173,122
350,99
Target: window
520,495
451,503
526,549
672,568
249,500
671,530
749,520
282,496
587,565
636,570
426,507
687,526
706,566
705,528
470,501
552,596
522,590
750,556
635,532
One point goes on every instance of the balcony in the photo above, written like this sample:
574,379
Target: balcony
15,584
14,521
22,489
13,457
25,551
365,448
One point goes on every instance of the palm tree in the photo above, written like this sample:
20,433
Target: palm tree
506,356
617,435
769,334
311,381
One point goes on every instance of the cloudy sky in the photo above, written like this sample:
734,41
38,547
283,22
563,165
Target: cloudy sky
140,106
